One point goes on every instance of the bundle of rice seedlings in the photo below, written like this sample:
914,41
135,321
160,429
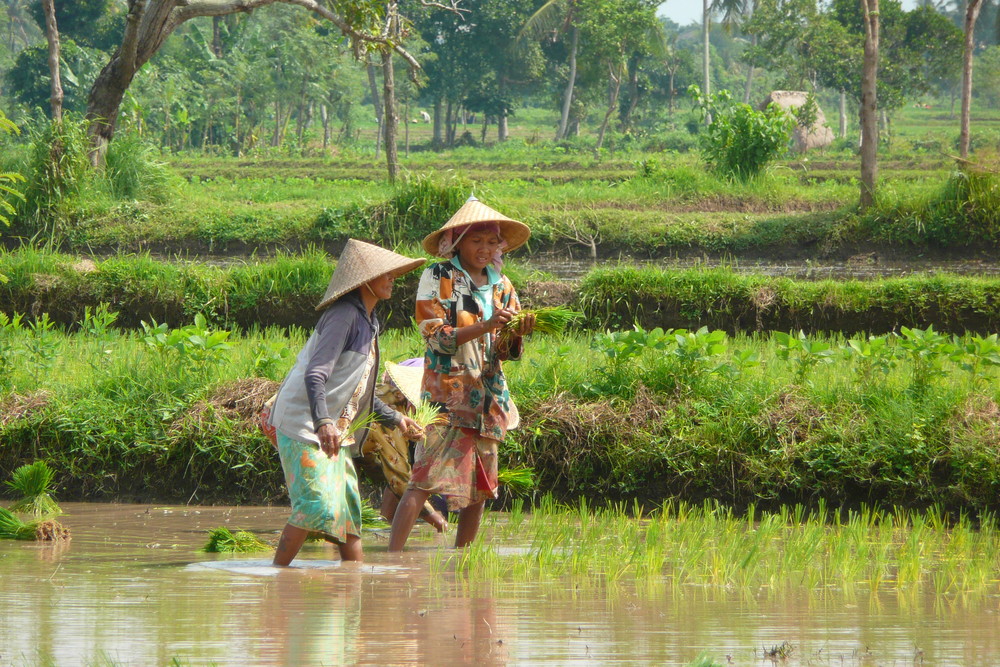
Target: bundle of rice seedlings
518,480
13,527
33,482
425,414
371,518
551,320
222,540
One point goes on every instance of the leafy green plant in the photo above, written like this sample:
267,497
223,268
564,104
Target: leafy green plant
927,350
195,343
33,482
620,348
7,181
976,355
804,352
740,141
870,356
696,350
268,357
223,540
42,346
97,321
8,351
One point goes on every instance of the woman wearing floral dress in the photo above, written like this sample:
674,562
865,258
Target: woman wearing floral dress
461,304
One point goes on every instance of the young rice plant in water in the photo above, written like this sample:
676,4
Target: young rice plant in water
33,482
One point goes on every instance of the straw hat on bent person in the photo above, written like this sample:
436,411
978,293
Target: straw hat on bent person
360,263
515,233
408,379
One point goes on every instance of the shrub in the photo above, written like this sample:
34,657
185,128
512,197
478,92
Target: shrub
741,141
133,171
58,172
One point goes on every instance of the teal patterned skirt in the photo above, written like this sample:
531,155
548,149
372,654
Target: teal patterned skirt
323,490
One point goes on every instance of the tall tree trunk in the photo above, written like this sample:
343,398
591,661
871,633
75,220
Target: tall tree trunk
390,120
843,114
633,89
748,85
406,127
706,28
437,138
670,99
324,116
971,14
276,134
869,105
616,86
217,36
377,103
574,41
52,35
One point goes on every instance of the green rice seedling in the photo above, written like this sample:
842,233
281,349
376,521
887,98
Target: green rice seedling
518,480
223,540
33,481
13,527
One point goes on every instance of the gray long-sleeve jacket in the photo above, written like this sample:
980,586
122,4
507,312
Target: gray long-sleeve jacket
327,372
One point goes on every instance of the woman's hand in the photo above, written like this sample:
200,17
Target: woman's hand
409,428
500,317
527,325
329,440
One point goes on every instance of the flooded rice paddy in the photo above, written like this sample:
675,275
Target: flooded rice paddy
865,266
133,588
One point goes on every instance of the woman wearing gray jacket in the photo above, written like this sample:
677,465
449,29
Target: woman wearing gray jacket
332,384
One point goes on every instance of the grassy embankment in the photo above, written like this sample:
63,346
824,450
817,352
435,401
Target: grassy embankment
909,419
636,201
283,290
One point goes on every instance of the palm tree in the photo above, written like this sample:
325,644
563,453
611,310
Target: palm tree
553,18
735,13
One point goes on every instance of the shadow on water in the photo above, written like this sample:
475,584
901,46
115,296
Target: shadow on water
133,587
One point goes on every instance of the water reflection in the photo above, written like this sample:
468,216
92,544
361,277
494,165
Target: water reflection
132,588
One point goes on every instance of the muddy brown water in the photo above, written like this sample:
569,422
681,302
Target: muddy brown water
133,588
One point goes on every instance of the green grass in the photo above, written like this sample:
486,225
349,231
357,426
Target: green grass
634,414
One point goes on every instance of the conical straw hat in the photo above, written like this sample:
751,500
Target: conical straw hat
515,233
408,379
361,262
